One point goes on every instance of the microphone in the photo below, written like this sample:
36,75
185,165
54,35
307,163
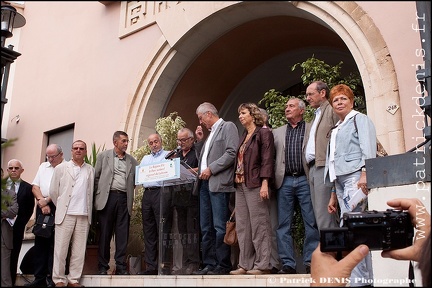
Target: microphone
173,152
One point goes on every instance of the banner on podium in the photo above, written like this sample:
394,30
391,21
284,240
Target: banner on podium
160,171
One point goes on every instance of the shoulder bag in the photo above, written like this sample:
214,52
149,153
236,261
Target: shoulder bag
44,226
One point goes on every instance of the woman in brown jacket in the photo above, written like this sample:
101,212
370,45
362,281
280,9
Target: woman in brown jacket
254,171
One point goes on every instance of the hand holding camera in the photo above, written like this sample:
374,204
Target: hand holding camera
325,265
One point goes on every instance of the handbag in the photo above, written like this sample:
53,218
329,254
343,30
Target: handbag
230,237
134,264
44,226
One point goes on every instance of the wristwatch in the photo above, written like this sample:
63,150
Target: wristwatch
363,169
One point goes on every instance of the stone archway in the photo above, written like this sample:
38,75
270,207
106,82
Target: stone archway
173,54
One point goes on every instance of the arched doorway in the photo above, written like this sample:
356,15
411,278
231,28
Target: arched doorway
238,52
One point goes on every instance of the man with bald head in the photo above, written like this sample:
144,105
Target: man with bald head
26,204
44,247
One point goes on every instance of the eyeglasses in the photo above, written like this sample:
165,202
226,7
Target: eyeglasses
52,157
78,148
183,140
14,168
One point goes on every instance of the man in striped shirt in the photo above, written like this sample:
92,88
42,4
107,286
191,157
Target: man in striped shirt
291,183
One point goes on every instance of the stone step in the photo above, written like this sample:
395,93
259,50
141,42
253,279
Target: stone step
269,280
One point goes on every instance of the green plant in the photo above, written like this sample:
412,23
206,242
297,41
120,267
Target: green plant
93,235
274,102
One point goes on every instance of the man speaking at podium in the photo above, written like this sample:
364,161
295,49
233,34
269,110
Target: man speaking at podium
151,207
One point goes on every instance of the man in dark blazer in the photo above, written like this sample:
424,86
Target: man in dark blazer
26,205
114,193
216,182
8,213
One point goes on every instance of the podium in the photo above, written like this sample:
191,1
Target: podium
179,239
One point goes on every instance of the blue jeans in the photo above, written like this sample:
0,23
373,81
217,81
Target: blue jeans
363,272
295,187
214,213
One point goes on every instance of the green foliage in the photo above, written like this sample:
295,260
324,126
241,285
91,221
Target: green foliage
167,127
274,102
93,154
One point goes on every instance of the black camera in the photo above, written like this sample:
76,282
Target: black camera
379,230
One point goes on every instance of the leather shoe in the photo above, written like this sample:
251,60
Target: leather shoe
287,270
274,270
238,271
219,271
258,272
75,285
148,272
37,283
203,271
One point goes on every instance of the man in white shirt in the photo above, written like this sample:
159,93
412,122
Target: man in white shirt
71,190
44,247
317,94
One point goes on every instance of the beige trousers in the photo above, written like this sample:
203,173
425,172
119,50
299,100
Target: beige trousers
73,232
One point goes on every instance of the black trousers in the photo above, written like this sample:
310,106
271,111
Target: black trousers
18,235
44,253
114,219
153,202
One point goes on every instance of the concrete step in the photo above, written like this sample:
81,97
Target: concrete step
269,280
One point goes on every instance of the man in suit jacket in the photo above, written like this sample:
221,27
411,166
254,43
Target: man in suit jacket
8,213
114,193
26,205
215,184
71,191
317,94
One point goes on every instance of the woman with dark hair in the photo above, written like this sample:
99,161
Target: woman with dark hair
253,171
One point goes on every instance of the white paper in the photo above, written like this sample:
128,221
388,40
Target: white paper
354,199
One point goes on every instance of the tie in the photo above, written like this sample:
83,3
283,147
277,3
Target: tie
13,186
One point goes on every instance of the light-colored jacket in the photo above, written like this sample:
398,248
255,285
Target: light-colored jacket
353,145
61,188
